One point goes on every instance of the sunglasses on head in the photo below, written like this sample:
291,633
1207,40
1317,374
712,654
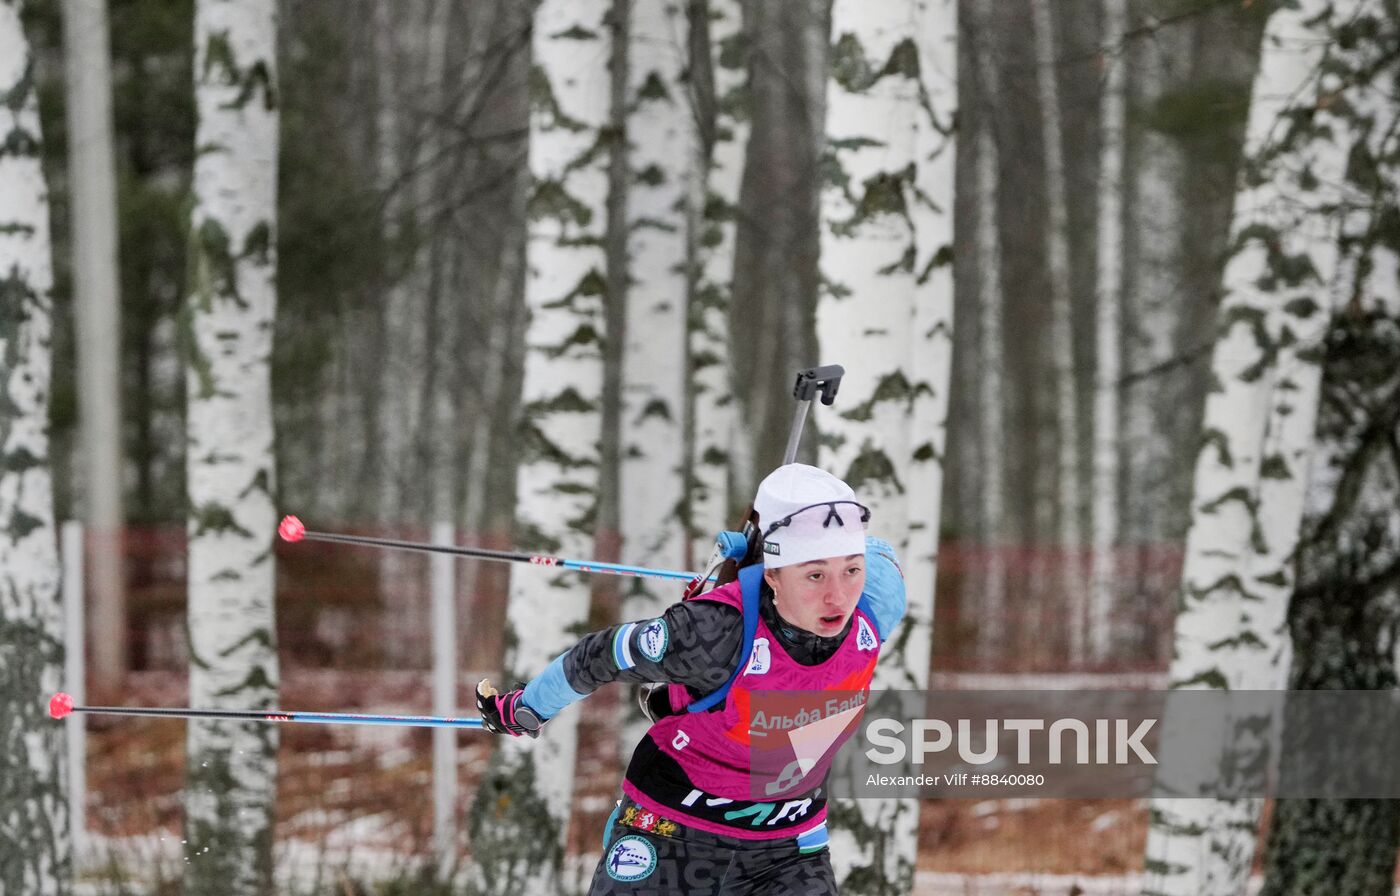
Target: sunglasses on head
831,514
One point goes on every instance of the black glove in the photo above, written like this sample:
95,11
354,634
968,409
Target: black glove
506,713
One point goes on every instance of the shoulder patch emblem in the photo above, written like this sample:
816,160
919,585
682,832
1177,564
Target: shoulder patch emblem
631,858
760,658
653,639
865,635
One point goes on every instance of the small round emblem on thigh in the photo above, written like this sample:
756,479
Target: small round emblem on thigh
631,858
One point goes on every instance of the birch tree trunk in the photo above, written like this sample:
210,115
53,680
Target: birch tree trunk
1345,613
1252,468
1346,610
522,810
868,251
720,105
661,148
991,302
1067,459
35,843
232,771
886,252
1107,321
906,665
865,313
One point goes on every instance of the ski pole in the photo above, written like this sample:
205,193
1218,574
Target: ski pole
292,529
61,705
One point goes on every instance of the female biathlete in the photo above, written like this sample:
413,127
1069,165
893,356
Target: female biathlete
826,596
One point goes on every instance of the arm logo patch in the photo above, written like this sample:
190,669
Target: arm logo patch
652,640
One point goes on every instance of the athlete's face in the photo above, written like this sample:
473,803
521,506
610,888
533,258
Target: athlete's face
819,595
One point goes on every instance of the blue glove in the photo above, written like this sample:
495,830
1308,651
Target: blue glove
884,597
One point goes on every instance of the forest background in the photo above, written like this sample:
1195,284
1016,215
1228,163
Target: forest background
544,273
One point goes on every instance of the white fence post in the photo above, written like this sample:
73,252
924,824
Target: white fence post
74,670
444,617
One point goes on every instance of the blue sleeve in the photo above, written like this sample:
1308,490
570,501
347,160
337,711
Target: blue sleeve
549,692
695,643
883,599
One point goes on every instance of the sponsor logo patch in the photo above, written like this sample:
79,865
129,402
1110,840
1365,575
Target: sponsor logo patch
680,740
631,858
652,639
865,636
642,820
760,659
772,547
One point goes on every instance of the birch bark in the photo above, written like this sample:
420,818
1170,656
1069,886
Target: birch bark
715,489
906,665
886,252
868,251
864,317
522,810
35,844
1345,612
661,146
230,476
1252,468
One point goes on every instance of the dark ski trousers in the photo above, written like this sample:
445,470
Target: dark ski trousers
696,863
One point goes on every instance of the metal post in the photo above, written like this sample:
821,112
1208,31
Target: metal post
73,672
795,433
444,620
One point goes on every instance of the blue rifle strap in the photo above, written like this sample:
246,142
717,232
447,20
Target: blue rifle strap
750,584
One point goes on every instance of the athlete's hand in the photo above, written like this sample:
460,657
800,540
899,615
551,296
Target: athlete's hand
506,713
